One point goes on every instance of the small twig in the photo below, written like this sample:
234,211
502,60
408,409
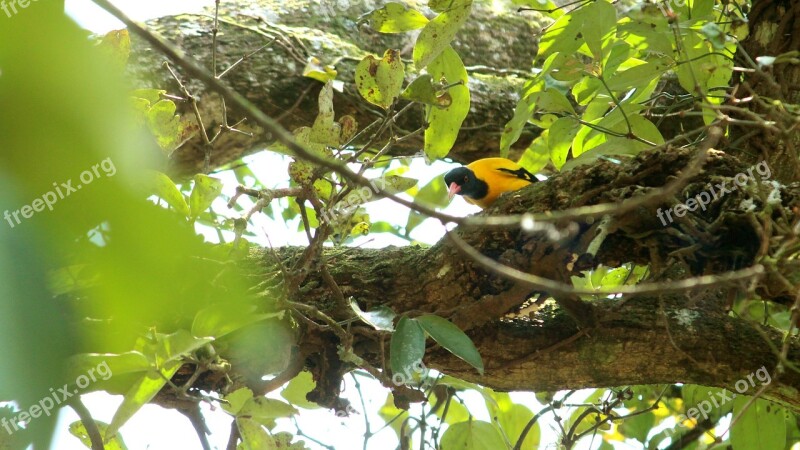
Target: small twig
265,122
555,287
530,425
88,422
234,436
196,418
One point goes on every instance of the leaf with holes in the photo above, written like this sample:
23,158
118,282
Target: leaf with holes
379,80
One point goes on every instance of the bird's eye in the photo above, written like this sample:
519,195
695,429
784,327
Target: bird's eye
466,178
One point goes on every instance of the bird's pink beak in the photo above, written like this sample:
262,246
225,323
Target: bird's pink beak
454,189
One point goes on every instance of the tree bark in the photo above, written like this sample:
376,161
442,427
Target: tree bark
774,30
688,337
272,78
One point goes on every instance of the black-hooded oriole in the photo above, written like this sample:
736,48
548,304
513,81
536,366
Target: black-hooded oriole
482,181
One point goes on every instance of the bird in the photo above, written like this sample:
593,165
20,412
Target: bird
482,181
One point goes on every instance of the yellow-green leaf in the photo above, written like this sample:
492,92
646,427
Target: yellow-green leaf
452,338
206,189
422,90
254,436
379,80
445,123
78,429
142,392
165,188
407,346
165,124
394,18
439,32
472,435
297,389
116,44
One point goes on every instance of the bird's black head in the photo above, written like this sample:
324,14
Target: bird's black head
463,181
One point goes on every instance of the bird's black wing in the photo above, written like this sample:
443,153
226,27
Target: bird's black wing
521,173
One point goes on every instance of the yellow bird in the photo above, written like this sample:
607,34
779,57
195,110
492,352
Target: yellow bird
482,181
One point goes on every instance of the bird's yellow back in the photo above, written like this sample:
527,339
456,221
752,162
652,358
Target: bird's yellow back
502,175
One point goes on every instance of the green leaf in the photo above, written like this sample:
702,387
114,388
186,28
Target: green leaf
394,417
220,319
614,146
78,430
254,436
297,389
559,139
702,9
562,36
439,32
394,183
433,194
460,384
379,80
165,124
514,127
472,435
407,346
166,189
456,411
246,346
512,418
761,427
620,52
380,318
638,427
714,34
637,76
394,18
422,90
600,22
151,95
445,123
265,410
537,155
206,190
140,394
235,401
116,44
173,347
552,100
452,338
695,396
115,364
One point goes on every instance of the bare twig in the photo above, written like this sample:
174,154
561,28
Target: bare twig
88,423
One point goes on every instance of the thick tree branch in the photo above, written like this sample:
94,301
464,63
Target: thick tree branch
635,340
273,81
